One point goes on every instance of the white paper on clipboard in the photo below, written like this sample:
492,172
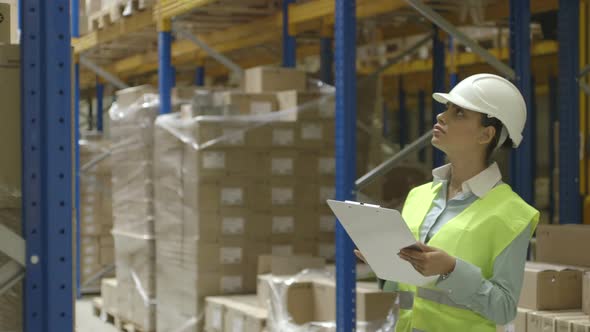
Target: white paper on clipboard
380,233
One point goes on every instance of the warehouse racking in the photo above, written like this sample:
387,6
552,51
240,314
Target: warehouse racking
124,52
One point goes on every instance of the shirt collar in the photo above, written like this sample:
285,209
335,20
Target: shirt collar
479,185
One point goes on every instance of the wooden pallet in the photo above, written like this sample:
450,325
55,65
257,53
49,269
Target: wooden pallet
112,317
117,11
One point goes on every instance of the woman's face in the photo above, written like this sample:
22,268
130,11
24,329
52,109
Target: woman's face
460,131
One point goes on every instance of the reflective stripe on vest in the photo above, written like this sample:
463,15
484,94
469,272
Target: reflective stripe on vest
416,330
406,299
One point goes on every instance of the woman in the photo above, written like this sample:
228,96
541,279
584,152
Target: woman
473,230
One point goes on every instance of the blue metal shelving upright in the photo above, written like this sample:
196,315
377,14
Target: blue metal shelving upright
570,203
289,42
200,76
345,61
326,60
99,104
552,121
48,160
521,161
165,67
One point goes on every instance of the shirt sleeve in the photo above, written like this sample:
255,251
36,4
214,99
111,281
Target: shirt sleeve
497,298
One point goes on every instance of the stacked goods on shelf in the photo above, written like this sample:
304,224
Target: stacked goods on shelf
132,136
290,300
555,293
10,184
96,215
9,22
101,13
230,188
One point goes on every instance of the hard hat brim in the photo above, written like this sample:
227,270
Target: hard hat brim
445,98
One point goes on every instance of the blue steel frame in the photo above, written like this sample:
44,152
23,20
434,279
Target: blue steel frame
75,28
165,71
172,76
570,203
47,155
552,121
402,114
200,76
521,161
289,42
99,104
326,60
422,121
454,76
438,85
345,60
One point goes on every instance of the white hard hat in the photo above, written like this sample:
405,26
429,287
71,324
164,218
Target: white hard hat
492,95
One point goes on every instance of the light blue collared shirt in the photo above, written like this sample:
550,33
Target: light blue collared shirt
497,298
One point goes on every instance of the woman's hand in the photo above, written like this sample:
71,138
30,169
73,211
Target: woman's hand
431,261
360,255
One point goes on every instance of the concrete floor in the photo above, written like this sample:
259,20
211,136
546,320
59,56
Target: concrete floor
86,321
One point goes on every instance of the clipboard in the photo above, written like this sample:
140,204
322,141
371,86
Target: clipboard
379,234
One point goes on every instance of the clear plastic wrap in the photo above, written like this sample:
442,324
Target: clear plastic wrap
132,136
96,215
306,302
231,188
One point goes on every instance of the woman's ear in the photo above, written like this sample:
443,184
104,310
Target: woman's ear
487,135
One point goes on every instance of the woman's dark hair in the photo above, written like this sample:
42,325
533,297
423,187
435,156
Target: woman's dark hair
494,122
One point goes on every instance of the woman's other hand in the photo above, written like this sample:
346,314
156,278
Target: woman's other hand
430,261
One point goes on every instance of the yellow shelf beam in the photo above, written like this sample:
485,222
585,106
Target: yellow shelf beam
462,59
167,9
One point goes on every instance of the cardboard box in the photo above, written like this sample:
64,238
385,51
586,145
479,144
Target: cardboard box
10,126
222,134
108,291
551,287
536,319
220,162
566,324
234,313
551,323
314,299
239,103
213,195
586,293
244,314
288,265
107,255
578,326
316,134
269,79
9,23
564,244
309,105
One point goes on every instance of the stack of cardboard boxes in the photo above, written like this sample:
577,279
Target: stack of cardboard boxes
96,216
10,174
132,136
229,189
287,300
555,295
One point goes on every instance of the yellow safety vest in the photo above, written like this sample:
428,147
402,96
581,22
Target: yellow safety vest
477,235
